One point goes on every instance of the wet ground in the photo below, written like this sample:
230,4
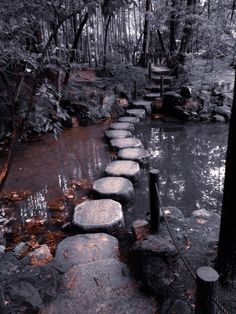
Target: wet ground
190,159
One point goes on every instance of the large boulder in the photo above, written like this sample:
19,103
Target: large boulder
157,259
186,92
171,100
103,286
85,248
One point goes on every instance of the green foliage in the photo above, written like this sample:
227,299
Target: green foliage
47,116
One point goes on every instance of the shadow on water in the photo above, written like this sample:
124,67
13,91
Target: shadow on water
191,160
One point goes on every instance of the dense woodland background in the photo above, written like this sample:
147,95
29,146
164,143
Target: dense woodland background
42,43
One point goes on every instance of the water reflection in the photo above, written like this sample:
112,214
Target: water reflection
191,160
46,168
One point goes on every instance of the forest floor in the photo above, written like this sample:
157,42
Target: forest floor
205,74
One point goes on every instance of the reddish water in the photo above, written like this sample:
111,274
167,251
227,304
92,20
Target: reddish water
191,159
46,169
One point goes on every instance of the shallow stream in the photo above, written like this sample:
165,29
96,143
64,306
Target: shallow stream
190,158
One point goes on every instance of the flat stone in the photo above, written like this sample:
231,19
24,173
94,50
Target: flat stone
161,70
116,188
167,79
103,215
142,104
128,119
123,168
103,286
122,126
152,96
129,142
139,113
112,134
136,154
85,248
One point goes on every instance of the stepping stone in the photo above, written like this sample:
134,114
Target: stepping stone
104,286
122,126
116,188
152,96
85,248
128,142
103,215
123,168
139,113
167,79
129,119
111,134
142,104
136,154
161,70
156,88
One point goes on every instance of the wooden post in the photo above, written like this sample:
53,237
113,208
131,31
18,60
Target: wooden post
154,200
177,71
150,71
207,284
135,90
162,86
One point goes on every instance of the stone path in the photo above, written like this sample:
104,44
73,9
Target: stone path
123,168
126,143
99,216
94,280
113,134
116,188
122,126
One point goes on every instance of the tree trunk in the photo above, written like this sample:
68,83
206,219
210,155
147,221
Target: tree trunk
173,29
108,20
226,261
74,46
146,39
161,42
188,28
233,9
